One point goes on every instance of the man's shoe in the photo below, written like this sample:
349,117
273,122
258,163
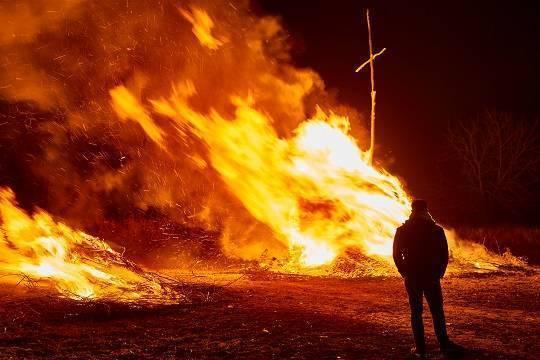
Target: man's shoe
418,353
451,347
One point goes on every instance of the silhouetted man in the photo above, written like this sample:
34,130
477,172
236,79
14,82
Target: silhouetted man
421,257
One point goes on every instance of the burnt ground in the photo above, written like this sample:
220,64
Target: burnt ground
494,316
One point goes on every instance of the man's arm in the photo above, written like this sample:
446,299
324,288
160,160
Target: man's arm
397,253
444,251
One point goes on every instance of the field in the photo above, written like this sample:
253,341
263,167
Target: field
276,316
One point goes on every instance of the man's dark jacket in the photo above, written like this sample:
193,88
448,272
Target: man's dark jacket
420,249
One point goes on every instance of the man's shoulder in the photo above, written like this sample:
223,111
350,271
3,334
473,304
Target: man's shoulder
402,226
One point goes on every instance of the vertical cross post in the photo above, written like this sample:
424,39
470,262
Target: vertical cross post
373,92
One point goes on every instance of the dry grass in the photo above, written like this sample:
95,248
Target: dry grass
521,241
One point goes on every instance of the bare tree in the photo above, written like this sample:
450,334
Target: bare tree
499,155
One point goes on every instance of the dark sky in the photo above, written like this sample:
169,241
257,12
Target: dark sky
445,61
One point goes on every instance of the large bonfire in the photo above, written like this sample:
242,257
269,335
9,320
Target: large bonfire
240,141
315,190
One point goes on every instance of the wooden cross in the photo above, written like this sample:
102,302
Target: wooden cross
371,62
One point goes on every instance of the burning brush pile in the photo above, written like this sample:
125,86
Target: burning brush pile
39,251
194,111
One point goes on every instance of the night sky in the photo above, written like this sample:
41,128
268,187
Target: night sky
445,61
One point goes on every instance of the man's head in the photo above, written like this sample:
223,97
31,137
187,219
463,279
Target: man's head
419,205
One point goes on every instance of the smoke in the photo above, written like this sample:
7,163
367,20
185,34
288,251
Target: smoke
68,151
25,25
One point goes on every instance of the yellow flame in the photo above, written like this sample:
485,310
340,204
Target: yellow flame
202,27
128,107
77,264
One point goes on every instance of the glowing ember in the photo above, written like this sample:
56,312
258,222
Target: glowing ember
76,264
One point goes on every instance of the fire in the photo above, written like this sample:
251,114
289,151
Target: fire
242,148
78,265
202,27
128,108
315,190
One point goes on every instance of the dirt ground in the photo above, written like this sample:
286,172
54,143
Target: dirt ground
277,317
